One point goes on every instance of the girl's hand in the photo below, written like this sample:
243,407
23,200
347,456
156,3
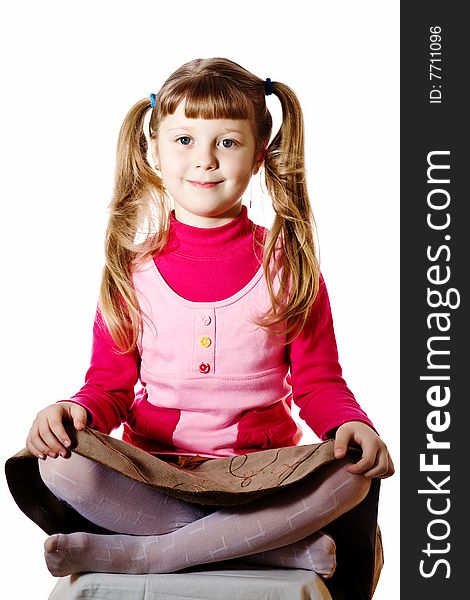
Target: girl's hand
376,460
47,436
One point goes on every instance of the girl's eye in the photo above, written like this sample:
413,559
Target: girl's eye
228,143
184,140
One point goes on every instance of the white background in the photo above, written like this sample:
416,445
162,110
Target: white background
70,72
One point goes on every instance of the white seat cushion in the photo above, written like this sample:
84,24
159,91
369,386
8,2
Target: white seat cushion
233,583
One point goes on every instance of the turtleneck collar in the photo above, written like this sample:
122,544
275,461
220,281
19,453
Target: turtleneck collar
209,241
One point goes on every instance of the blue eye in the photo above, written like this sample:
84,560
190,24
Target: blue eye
228,143
184,140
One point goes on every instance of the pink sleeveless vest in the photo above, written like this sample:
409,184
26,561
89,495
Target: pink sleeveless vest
214,383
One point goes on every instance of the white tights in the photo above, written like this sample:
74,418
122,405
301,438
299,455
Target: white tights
156,533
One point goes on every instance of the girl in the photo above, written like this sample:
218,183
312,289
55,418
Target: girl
223,323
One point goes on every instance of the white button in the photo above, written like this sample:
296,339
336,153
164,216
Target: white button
206,320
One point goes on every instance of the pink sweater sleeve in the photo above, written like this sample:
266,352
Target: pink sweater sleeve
318,387
109,382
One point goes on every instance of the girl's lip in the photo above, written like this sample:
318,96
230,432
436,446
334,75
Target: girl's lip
204,184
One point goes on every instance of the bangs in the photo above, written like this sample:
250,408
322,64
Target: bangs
208,97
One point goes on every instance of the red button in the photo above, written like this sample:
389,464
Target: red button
204,367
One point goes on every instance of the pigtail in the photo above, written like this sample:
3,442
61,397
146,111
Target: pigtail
290,251
138,194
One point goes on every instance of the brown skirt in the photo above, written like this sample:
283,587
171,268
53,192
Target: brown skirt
219,482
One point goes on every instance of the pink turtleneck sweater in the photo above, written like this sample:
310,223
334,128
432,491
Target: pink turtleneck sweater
208,265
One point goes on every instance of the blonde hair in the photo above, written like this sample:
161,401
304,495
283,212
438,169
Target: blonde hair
214,88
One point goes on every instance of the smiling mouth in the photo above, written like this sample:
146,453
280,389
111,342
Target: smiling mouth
204,184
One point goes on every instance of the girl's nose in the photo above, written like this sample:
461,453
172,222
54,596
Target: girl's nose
206,158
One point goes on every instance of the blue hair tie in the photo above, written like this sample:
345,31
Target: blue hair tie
268,87
153,100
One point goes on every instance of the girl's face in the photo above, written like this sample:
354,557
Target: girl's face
206,165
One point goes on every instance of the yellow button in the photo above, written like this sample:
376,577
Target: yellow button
205,342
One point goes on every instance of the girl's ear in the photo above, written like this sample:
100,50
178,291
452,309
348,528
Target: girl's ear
155,154
259,160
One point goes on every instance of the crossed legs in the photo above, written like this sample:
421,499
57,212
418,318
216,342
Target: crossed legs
156,533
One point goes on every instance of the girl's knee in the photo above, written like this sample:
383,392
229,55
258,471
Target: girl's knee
362,485
348,489
66,476
357,485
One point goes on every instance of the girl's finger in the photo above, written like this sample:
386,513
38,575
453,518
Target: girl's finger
79,416
366,463
341,443
382,468
36,446
57,428
55,447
